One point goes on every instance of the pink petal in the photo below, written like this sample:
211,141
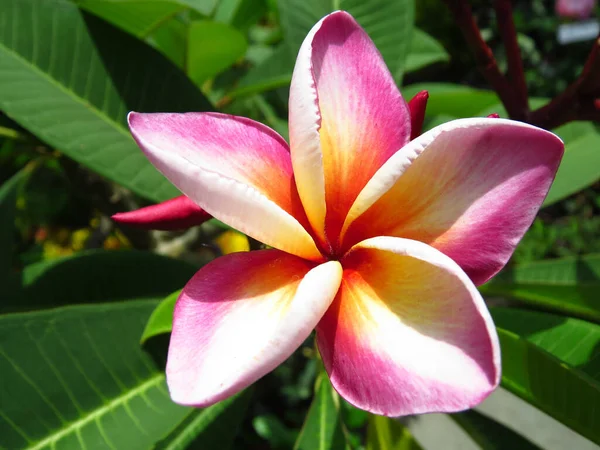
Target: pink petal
240,317
417,106
347,118
235,169
469,188
176,214
408,332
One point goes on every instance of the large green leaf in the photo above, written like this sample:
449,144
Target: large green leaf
385,433
569,285
579,168
138,17
213,427
274,72
489,434
212,48
161,319
424,50
240,14
75,377
551,384
574,341
95,276
8,206
322,429
388,22
70,78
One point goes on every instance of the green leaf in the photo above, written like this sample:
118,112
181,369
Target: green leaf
8,207
452,99
137,17
580,166
489,434
388,22
573,341
240,14
274,431
385,433
550,384
70,78
170,38
274,72
213,427
204,7
212,48
75,377
568,285
424,50
95,276
322,429
161,319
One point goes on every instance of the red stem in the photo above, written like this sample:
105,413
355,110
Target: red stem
516,75
577,102
461,11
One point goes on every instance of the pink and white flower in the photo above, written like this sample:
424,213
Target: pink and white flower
378,240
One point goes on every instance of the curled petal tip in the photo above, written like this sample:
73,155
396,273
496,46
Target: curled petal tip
175,214
494,116
417,107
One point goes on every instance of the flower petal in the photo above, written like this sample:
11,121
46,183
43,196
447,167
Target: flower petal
347,118
236,169
469,188
176,214
408,332
240,317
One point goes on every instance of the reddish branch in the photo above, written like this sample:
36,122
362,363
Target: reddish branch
580,101
516,74
461,11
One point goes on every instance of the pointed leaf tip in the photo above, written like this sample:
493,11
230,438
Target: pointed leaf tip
417,106
175,214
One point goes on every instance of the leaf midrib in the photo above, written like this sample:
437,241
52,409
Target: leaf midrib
80,423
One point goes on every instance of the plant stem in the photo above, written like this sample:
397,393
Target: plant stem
516,75
579,99
461,11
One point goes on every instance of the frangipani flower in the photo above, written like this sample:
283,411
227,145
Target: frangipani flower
377,241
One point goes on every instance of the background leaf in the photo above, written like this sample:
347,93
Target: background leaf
322,429
452,99
568,285
550,384
75,377
489,434
71,78
212,47
385,433
138,17
161,319
95,276
212,427
580,166
424,50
